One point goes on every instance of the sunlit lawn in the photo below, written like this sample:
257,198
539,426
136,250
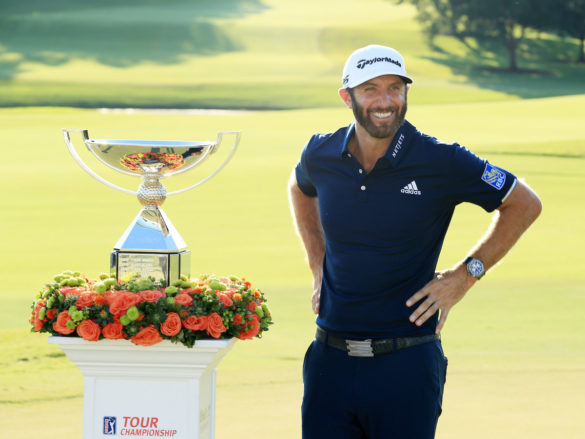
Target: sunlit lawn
516,343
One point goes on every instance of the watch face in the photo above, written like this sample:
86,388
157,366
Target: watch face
475,268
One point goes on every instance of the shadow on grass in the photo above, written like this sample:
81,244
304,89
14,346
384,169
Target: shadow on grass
546,67
114,33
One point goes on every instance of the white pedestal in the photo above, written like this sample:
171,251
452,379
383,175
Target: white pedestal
164,390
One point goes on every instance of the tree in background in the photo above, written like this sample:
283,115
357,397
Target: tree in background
503,21
571,22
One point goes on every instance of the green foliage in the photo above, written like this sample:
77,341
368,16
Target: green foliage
503,21
227,54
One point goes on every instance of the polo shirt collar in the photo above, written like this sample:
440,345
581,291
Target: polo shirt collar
397,148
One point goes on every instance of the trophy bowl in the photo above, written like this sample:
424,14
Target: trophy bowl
150,246
133,157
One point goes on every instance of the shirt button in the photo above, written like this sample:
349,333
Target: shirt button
361,171
363,188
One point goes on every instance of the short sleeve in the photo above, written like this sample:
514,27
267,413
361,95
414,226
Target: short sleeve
303,176
475,180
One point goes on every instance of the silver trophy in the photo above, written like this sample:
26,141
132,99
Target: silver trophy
151,246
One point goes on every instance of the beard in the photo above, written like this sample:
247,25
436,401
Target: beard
364,118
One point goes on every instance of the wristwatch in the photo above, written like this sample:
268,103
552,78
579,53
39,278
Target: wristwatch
474,267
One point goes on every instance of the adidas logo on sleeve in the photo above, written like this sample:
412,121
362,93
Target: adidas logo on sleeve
411,188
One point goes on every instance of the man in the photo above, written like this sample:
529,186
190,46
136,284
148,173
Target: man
372,203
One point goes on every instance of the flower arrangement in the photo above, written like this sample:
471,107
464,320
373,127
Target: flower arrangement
146,312
133,161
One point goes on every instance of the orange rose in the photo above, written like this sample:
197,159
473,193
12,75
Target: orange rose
215,326
99,299
89,330
113,331
85,299
151,295
123,301
72,291
252,305
110,295
172,325
225,300
51,313
183,299
60,325
237,319
147,336
195,323
253,332
34,319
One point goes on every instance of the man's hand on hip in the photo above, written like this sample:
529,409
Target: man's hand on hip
445,290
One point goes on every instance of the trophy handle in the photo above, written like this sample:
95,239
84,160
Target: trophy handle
221,166
81,163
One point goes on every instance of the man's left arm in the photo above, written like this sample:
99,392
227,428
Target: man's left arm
448,287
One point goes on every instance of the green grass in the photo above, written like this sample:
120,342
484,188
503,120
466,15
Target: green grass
245,54
510,341
515,343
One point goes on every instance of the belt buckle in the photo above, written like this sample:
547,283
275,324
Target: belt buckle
360,348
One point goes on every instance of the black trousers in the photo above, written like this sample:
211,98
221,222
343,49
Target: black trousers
391,396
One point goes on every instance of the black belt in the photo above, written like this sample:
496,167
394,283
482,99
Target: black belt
369,347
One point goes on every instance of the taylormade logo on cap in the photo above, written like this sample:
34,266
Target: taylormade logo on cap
364,62
372,61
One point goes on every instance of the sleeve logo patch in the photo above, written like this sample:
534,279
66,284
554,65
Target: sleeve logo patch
493,176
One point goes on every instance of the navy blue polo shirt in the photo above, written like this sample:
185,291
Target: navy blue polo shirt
384,230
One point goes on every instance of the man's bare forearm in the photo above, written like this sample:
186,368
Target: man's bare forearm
305,213
448,287
513,218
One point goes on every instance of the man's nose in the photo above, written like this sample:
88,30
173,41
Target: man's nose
386,98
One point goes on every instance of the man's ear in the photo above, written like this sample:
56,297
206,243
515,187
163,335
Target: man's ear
346,97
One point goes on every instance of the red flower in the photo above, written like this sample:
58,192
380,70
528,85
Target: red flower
215,326
110,295
172,325
151,295
192,291
89,330
60,325
72,291
113,331
34,319
253,332
195,323
123,301
51,313
237,319
225,300
252,306
147,336
86,299
183,299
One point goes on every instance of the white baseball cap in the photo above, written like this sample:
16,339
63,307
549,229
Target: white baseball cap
372,61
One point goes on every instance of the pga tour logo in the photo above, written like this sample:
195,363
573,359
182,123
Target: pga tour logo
137,427
109,425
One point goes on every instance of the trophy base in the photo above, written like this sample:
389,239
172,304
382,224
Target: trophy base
166,266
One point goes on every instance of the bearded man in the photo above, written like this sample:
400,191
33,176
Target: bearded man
372,203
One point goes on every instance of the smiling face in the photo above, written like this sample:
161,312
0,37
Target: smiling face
379,105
